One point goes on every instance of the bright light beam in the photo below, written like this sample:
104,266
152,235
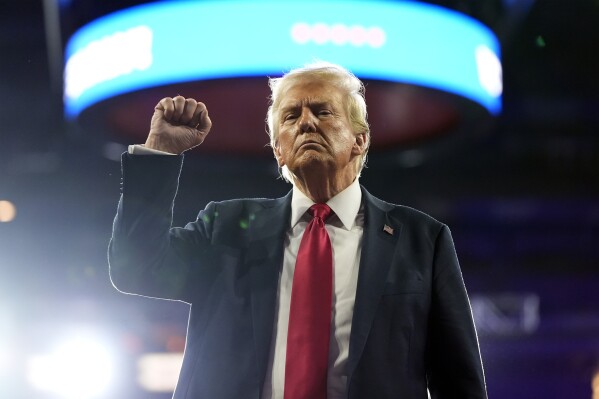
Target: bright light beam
81,368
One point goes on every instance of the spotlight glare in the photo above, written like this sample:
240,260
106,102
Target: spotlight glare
79,369
159,372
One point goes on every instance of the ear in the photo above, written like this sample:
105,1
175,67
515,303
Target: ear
360,144
278,156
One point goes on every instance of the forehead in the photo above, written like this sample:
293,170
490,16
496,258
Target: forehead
312,90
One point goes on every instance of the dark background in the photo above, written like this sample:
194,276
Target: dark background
521,201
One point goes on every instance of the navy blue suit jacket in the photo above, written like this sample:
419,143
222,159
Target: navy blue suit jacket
412,325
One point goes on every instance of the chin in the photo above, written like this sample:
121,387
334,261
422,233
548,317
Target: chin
311,162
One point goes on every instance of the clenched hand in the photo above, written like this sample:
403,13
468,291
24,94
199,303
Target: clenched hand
178,124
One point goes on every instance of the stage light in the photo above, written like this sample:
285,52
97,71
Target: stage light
80,368
8,211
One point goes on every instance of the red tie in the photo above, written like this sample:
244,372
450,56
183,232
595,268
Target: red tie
310,313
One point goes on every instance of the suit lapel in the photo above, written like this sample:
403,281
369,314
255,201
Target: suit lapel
380,236
264,258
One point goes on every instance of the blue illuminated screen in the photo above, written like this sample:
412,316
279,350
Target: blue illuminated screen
169,42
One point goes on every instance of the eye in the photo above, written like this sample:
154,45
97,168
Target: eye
324,112
289,117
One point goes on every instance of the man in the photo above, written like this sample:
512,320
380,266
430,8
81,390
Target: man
385,292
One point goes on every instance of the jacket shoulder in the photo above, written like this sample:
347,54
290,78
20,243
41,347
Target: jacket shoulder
407,213
246,205
249,201
404,214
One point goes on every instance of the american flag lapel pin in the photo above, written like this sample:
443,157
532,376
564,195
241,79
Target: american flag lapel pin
388,229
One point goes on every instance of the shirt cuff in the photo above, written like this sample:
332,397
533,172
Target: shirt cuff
140,149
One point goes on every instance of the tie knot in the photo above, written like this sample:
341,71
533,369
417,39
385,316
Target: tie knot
320,211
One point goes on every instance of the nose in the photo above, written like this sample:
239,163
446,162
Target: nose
307,122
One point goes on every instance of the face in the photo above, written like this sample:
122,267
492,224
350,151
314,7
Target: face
315,135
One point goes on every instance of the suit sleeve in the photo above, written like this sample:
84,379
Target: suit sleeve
146,255
454,367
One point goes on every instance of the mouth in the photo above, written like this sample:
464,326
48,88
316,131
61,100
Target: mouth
310,143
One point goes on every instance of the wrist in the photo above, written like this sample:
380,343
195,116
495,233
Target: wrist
141,149
155,143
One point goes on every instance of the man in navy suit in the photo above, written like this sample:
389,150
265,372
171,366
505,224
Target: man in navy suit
401,322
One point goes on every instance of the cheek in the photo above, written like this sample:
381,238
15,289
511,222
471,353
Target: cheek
343,137
284,142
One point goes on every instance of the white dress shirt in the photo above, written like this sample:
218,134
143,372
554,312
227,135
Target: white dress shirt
345,229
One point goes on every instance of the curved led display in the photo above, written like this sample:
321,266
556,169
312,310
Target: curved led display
169,42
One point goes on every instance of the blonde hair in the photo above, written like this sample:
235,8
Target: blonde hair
332,73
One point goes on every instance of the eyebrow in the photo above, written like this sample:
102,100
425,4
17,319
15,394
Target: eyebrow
310,102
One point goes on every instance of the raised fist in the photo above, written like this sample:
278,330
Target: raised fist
178,124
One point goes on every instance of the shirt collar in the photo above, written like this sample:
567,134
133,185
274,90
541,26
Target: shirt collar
345,204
